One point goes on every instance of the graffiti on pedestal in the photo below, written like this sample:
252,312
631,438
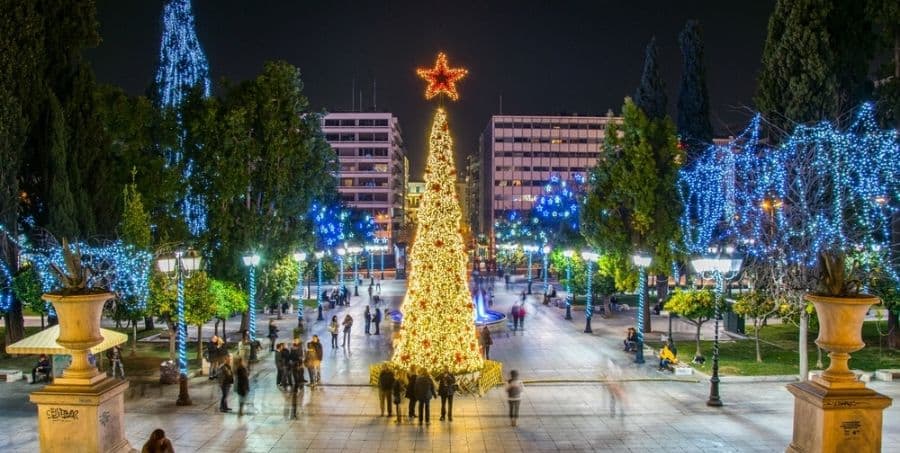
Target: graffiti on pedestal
851,428
58,414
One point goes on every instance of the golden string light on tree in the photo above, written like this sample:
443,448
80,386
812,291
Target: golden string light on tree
441,79
438,330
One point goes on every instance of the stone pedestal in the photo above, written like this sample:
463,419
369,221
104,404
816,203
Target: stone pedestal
82,418
836,418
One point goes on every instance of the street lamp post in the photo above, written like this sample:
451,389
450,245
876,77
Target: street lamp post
642,262
568,254
354,251
300,258
721,266
383,249
545,252
342,288
319,256
179,264
368,250
529,250
590,258
252,261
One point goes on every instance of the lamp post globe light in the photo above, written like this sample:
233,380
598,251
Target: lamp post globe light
545,255
721,267
529,250
300,258
568,254
642,262
319,256
589,258
180,263
342,288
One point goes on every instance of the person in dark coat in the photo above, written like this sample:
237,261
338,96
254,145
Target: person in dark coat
397,393
287,372
296,361
410,392
226,379
158,443
424,392
273,334
377,320
42,366
446,389
385,386
486,342
279,365
243,386
367,316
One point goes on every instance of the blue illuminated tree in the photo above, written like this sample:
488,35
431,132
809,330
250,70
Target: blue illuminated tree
182,68
821,189
556,211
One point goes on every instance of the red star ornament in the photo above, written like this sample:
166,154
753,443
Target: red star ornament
441,79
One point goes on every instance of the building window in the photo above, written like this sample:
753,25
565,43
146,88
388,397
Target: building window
332,123
381,123
363,123
517,183
346,123
503,125
332,137
348,137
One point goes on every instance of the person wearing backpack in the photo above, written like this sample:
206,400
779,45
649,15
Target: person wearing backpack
385,386
424,392
514,390
226,379
446,389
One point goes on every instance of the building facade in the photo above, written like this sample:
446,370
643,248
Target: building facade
373,166
519,153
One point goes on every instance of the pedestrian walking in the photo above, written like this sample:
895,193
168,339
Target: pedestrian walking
371,288
514,390
367,317
514,313
522,316
446,389
376,318
378,286
287,373
279,365
296,358
313,360
226,379
385,386
424,391
114,354
243,349
348,324
273,334
158,443
333,329
411,392
486,342
213,356
243,386
397,394
522,297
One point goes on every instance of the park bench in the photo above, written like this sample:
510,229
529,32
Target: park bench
11,375
887,374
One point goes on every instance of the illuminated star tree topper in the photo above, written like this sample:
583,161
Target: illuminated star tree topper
442,79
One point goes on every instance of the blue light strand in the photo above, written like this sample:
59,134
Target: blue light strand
300,265
642,289
252,301
588,297
182,326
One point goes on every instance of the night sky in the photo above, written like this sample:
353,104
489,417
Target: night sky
543,57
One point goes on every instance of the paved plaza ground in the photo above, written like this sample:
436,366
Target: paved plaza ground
566,406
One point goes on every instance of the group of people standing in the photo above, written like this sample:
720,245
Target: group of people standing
419,388
290,361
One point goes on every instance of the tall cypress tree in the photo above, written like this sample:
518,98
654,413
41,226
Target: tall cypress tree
61,205
651,93
693,98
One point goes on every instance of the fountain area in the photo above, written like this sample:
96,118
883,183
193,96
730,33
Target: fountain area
481,314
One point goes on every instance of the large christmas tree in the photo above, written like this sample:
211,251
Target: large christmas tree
438,331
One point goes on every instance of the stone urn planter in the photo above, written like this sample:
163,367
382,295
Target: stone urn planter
79,328
840,331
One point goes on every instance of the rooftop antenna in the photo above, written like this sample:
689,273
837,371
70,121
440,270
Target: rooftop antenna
360,101
353,95
501,104
374,95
